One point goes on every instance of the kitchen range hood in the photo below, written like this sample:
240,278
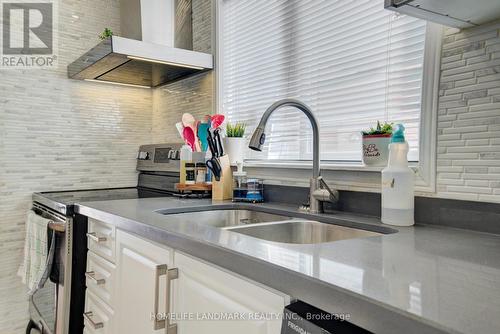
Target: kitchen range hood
155,47
453,13
137,63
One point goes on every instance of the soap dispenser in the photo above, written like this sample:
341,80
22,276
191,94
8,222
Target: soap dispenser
398,181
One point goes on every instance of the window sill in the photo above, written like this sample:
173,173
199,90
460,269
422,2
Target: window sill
331,165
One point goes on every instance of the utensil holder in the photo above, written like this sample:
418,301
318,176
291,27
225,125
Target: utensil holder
198,156
223,189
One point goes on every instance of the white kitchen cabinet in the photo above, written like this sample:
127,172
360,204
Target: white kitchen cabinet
98,317
146,278
203,291
101,239
141,270
100,277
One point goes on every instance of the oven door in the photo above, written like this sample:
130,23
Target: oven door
46,301
49,305
43,308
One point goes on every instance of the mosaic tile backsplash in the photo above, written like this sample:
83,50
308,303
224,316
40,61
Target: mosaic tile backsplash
57,133
468,152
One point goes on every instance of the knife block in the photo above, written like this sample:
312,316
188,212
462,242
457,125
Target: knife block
223,189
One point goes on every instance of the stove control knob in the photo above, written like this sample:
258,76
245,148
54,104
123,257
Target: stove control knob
143,155
171,155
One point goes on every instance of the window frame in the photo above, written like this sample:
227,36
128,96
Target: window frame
425,168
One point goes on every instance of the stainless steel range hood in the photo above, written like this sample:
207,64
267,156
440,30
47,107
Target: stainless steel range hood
453,13
156,47
132,62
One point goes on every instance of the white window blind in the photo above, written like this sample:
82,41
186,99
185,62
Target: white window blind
351,61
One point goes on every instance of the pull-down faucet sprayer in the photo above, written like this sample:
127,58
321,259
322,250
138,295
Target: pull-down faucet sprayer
319,190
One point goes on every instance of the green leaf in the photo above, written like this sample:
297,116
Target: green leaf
380,129
106,33
236,130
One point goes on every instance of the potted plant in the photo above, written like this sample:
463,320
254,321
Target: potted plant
106,33
234,142
376,144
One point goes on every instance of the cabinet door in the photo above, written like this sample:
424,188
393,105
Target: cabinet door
203,291
98,317
141,268
100,277
101,239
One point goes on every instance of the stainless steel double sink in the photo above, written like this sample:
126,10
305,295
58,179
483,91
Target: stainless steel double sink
274,227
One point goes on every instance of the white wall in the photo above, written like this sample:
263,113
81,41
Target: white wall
57,133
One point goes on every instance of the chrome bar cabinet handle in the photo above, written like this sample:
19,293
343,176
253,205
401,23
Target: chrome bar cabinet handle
93,236
91,276
88,317
172,274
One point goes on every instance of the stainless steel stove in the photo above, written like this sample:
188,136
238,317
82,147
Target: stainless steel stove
58,307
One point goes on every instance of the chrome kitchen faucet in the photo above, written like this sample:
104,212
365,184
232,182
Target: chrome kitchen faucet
319,190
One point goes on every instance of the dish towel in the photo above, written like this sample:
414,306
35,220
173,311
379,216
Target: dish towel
38,257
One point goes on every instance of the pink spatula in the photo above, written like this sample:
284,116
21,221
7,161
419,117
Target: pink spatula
190,122
217,120
189,137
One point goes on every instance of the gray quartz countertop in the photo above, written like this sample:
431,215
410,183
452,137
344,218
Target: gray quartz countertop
421,279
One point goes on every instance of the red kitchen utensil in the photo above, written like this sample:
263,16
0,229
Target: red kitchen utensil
189,137
190,122
217,120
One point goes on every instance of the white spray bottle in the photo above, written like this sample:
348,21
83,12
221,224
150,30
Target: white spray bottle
398,182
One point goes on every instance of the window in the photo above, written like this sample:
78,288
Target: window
351,62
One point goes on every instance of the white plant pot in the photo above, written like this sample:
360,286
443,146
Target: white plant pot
235,148
376,150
